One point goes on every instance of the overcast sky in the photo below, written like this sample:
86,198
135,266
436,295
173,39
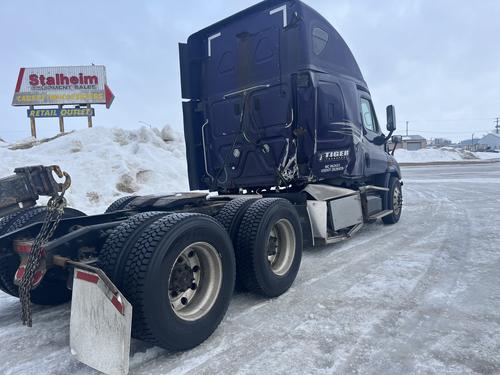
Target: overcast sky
438,62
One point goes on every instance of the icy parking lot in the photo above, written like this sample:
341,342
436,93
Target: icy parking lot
422,296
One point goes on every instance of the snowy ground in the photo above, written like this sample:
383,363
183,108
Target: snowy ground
421,297
441,154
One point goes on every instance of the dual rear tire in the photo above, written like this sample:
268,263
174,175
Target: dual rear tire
177,270
268,247
267,238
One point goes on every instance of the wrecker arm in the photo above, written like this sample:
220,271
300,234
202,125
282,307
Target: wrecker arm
27,184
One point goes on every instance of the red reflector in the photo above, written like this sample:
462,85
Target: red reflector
23,247
20,273
117,304
90,277
37,277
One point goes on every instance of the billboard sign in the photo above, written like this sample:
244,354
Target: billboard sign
60,112
62,85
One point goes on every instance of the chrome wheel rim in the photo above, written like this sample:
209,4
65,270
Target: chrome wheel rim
397,200
281,245
195,281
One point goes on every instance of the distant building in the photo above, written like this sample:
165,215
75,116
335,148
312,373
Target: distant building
441,142
492,141
410,143
488,142
413,142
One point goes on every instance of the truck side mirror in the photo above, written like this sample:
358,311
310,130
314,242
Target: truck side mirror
391,118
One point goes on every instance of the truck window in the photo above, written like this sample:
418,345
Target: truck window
367,116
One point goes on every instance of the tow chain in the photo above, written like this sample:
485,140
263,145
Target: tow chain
55,211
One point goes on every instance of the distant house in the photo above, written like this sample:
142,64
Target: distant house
492,141
410,143
468,142
413,142
488,142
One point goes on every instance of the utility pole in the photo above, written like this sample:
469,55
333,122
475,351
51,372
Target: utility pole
407,122
472,143
497,126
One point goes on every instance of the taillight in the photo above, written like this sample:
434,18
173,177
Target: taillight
23,248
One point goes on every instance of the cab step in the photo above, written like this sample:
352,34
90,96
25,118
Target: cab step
342,237
379,215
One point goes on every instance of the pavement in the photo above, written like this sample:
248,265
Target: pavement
418,297
451,162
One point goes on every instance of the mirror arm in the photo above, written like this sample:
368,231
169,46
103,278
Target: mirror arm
394,148
389,136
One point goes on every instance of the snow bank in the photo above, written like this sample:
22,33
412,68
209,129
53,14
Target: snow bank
441,154
487,155
106,164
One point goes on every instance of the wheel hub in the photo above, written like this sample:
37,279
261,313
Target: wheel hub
182,278
195,281
281,247
272,247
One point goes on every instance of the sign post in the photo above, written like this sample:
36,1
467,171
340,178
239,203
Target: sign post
89,118
61,119
33,125
61,86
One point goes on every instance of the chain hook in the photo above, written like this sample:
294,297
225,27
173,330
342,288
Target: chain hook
62,174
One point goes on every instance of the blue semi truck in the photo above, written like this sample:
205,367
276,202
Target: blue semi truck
280,125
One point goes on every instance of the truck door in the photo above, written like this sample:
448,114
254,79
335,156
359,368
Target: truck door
375,157
334,136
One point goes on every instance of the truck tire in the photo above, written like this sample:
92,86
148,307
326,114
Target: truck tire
179,278
120,203
52,290
231,214
394,201
120,242
269,247
230,217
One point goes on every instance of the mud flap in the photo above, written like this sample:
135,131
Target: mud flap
101,322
